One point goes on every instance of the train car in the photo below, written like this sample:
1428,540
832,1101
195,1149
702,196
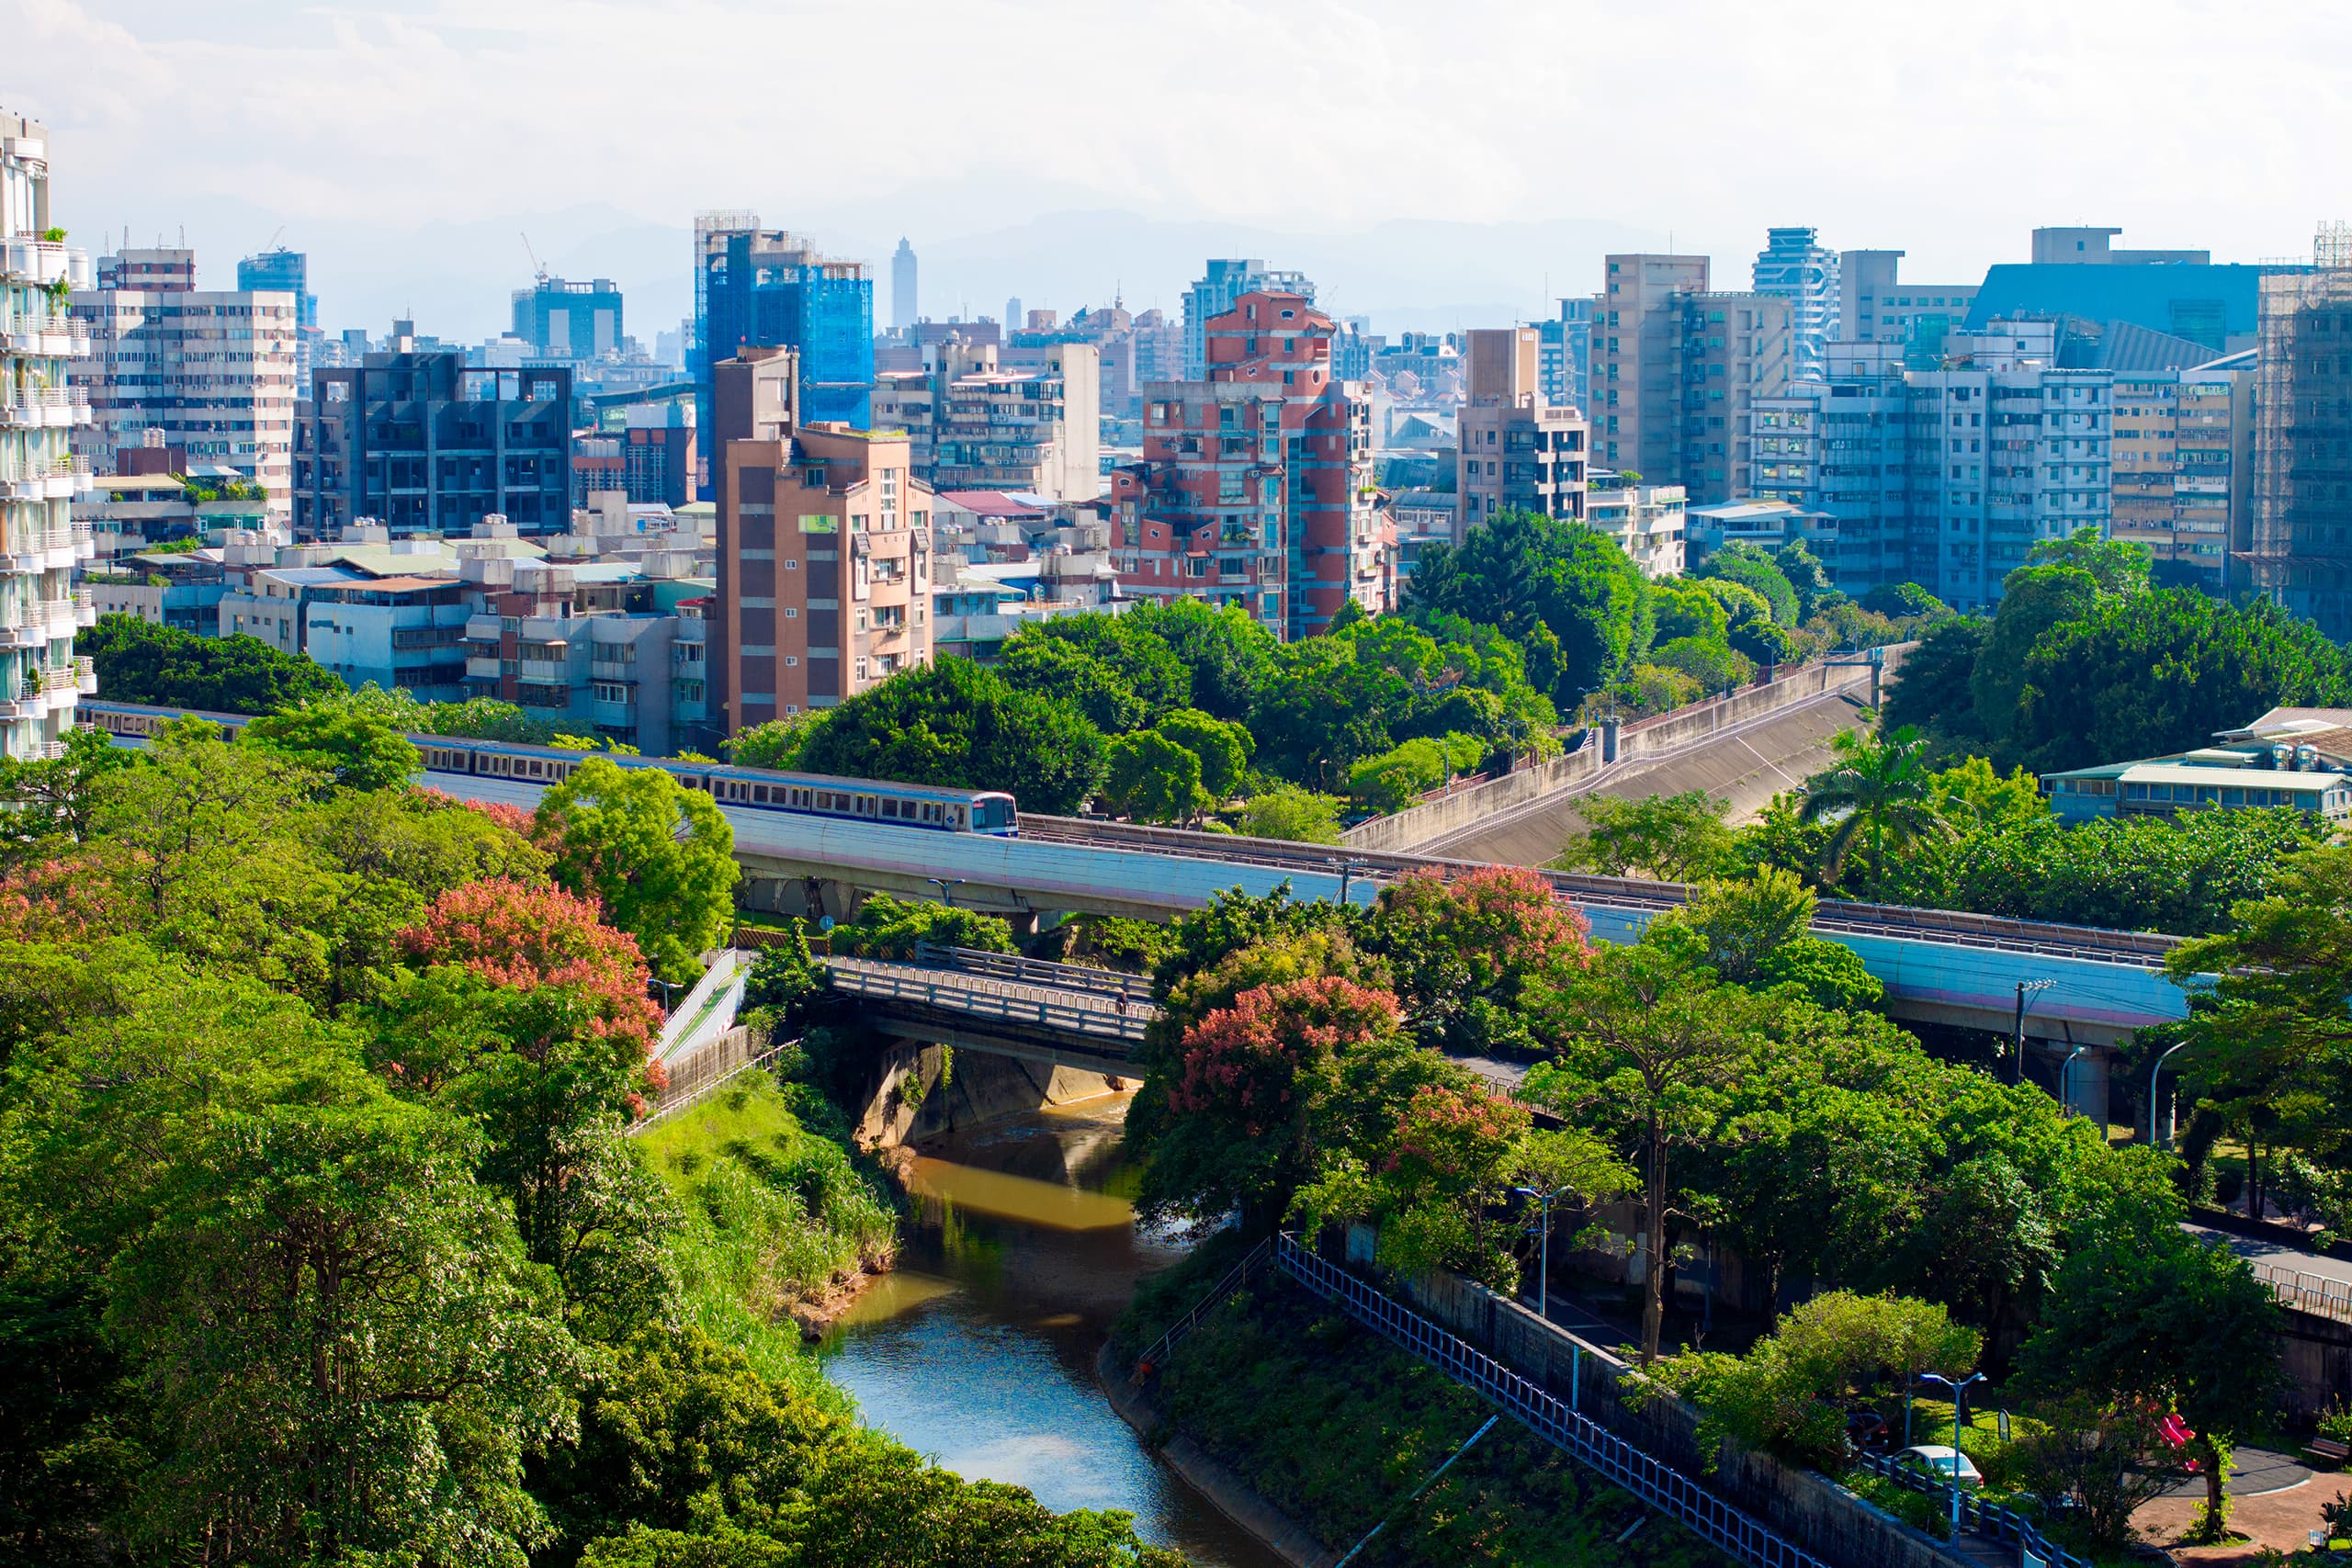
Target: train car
925,807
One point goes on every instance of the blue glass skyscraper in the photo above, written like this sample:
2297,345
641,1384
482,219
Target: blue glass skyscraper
768,288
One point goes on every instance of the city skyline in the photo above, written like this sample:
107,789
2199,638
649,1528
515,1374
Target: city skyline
362,134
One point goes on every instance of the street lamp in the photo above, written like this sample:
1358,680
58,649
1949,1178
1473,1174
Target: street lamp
2065,1067
1956,1397
2152,1097
2016,1068
1346,869
947,885
1543,1267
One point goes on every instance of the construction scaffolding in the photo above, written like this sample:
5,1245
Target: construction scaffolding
2300,550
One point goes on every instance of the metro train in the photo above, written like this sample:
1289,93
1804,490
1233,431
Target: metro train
989,812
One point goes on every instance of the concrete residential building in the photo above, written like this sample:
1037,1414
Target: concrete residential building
1728,351
423,445
1519,451
972,424
1563,361
1650,523
212,371
1838,449
39,414
2184,469
1794,266
564,320
1215,292
1874,306
1256,484
824,553
2300,553
1636,383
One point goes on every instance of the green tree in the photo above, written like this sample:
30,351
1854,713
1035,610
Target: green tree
1223,748
893,928
1752,567
1289,812
1741,924
1806,578
139,661
351,749
953,723
1879,795
1519,570
1713,664
1226,655
57,798
2146,1313
2160,672
1930,690
479,719
1830,974
1395,779
1066,672
775,744
2033,599
1674,838
660,856
1652,1038
1153,779
2119,566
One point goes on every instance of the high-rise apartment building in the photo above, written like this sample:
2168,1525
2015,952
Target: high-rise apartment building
210,371
1563,357
289,272
1874,306
1728,350
766,287
1795,267
824,551
1945,477
1518,450
567,320
2184,467
1256,484
1220,285
1636,384
422,443
973,425
904,295
39,413
2300,553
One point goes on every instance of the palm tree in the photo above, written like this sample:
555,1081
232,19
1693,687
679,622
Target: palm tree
1881,791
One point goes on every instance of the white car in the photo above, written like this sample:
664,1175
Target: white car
1942,1462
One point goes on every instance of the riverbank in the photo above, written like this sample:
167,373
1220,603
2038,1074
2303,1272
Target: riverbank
1219,1483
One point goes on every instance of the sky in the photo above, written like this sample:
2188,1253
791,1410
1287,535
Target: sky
1429,165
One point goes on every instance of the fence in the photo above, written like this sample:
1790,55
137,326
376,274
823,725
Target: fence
1669,1491
1996,1520
1235,1278
1035,971
2313,1294
706,1072
978,997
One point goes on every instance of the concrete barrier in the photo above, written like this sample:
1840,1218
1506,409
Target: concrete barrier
1642,739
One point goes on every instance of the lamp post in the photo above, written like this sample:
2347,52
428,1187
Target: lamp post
1346,868
2016,1068
1544,1263
1956,1388
947,885
2152,1097
2066,1067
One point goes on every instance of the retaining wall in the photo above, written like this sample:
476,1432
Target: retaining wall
1647,737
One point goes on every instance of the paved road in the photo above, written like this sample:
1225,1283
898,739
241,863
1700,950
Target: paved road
2276,1255
708,1011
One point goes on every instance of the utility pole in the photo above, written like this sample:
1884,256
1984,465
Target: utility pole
2017,1068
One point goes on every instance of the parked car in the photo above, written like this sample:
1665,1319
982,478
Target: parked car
1941,1461
1867,1431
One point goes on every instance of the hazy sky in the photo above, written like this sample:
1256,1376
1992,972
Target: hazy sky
403,143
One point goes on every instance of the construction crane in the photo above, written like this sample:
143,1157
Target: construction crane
538,267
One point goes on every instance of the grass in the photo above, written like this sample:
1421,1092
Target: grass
773,1210
1338,1427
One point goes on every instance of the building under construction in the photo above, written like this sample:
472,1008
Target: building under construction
2300,551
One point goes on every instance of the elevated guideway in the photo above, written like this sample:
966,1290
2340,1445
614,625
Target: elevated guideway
1937,966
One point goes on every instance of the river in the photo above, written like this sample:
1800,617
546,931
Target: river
978,1350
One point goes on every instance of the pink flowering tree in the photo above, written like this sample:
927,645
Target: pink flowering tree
1470,954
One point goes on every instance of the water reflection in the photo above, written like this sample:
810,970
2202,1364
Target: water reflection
979,1351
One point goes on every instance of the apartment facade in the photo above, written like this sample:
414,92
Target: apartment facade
973,423
1636,385
824,553
41,415
770,289
289,272
209,371
2184,469
1518,450
2300,551
1795,265
1650,523
1220,285
1729,350
1875,306
422,443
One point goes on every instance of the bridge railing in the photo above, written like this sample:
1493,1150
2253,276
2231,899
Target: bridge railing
1662,1487
2315,1294
979,997
1996,1520
1035,971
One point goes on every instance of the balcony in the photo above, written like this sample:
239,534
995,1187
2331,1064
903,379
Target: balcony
482,668
612,669
86,612
85,676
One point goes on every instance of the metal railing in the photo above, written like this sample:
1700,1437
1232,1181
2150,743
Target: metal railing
1036,971
1996,1520
1666,1489
1235,1278
704,1092
869,978
2315,1294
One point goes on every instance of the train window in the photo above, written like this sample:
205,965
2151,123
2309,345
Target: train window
890,809
759,794
800,797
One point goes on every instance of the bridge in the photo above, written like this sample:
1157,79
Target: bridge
1055,1015
1938,967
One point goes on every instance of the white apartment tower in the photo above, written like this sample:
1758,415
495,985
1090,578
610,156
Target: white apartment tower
1795,265
40,678
209,371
